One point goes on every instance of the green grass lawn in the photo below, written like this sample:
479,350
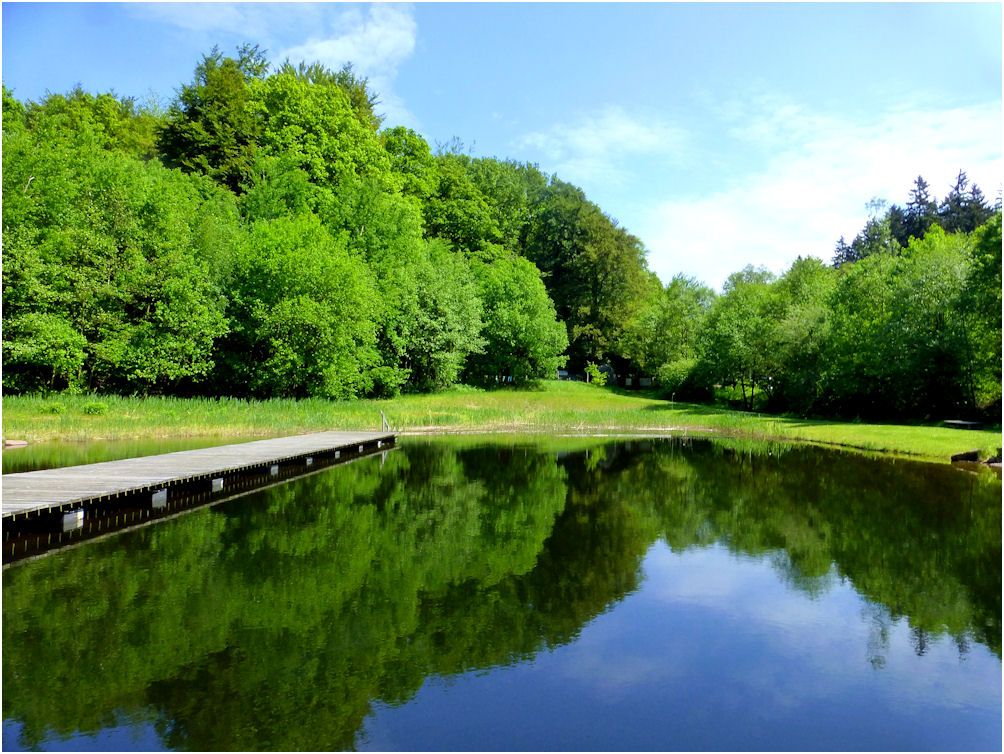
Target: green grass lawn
549,407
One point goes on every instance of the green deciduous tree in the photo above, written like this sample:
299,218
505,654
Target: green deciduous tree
116,123
458,212
412,160
980,309
594,270
445,323
667,329
899,345
523,338
310,120
512,191
739,344
362,101
420,312
14,113
301,315
104,284
803,330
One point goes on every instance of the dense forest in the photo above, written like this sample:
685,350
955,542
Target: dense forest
266,236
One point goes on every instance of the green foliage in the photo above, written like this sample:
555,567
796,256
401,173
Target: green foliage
740,337
313,125
95,408
512,192
429,314
677,377
278,187
103,285
346,261
666,330
212,128
594,375
963,210
897,344
458,212
980,311
37,344
523,339
115,123
301,314
356,89
593,269
14,113
802,333
412,160
447,326
896,334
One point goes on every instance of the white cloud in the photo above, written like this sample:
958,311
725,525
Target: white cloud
377,43
594,150
820,171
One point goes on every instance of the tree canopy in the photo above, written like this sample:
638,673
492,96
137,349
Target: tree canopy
264,235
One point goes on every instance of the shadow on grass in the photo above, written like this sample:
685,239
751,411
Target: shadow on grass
705,409
693,408
798,422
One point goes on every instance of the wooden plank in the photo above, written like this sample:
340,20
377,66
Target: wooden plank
51,488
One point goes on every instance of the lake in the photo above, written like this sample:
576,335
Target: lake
517,594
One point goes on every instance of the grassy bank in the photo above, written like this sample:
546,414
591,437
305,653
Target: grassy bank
552,407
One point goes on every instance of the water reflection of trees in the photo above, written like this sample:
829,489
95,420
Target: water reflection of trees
921,540
275,621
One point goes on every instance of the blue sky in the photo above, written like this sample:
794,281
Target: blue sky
720,134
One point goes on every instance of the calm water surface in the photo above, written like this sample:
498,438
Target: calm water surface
515,595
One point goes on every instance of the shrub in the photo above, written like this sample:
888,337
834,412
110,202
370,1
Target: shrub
684,379
54,408
95,408
673,375
597,377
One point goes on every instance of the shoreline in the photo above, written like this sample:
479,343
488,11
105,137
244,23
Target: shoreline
550,409
585,431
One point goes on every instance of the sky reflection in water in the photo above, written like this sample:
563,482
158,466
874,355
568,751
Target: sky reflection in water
716,652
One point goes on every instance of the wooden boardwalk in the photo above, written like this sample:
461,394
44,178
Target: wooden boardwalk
33,493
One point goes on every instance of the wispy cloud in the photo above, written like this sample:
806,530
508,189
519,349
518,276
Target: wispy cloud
377,42
246,21
595,148
819,172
